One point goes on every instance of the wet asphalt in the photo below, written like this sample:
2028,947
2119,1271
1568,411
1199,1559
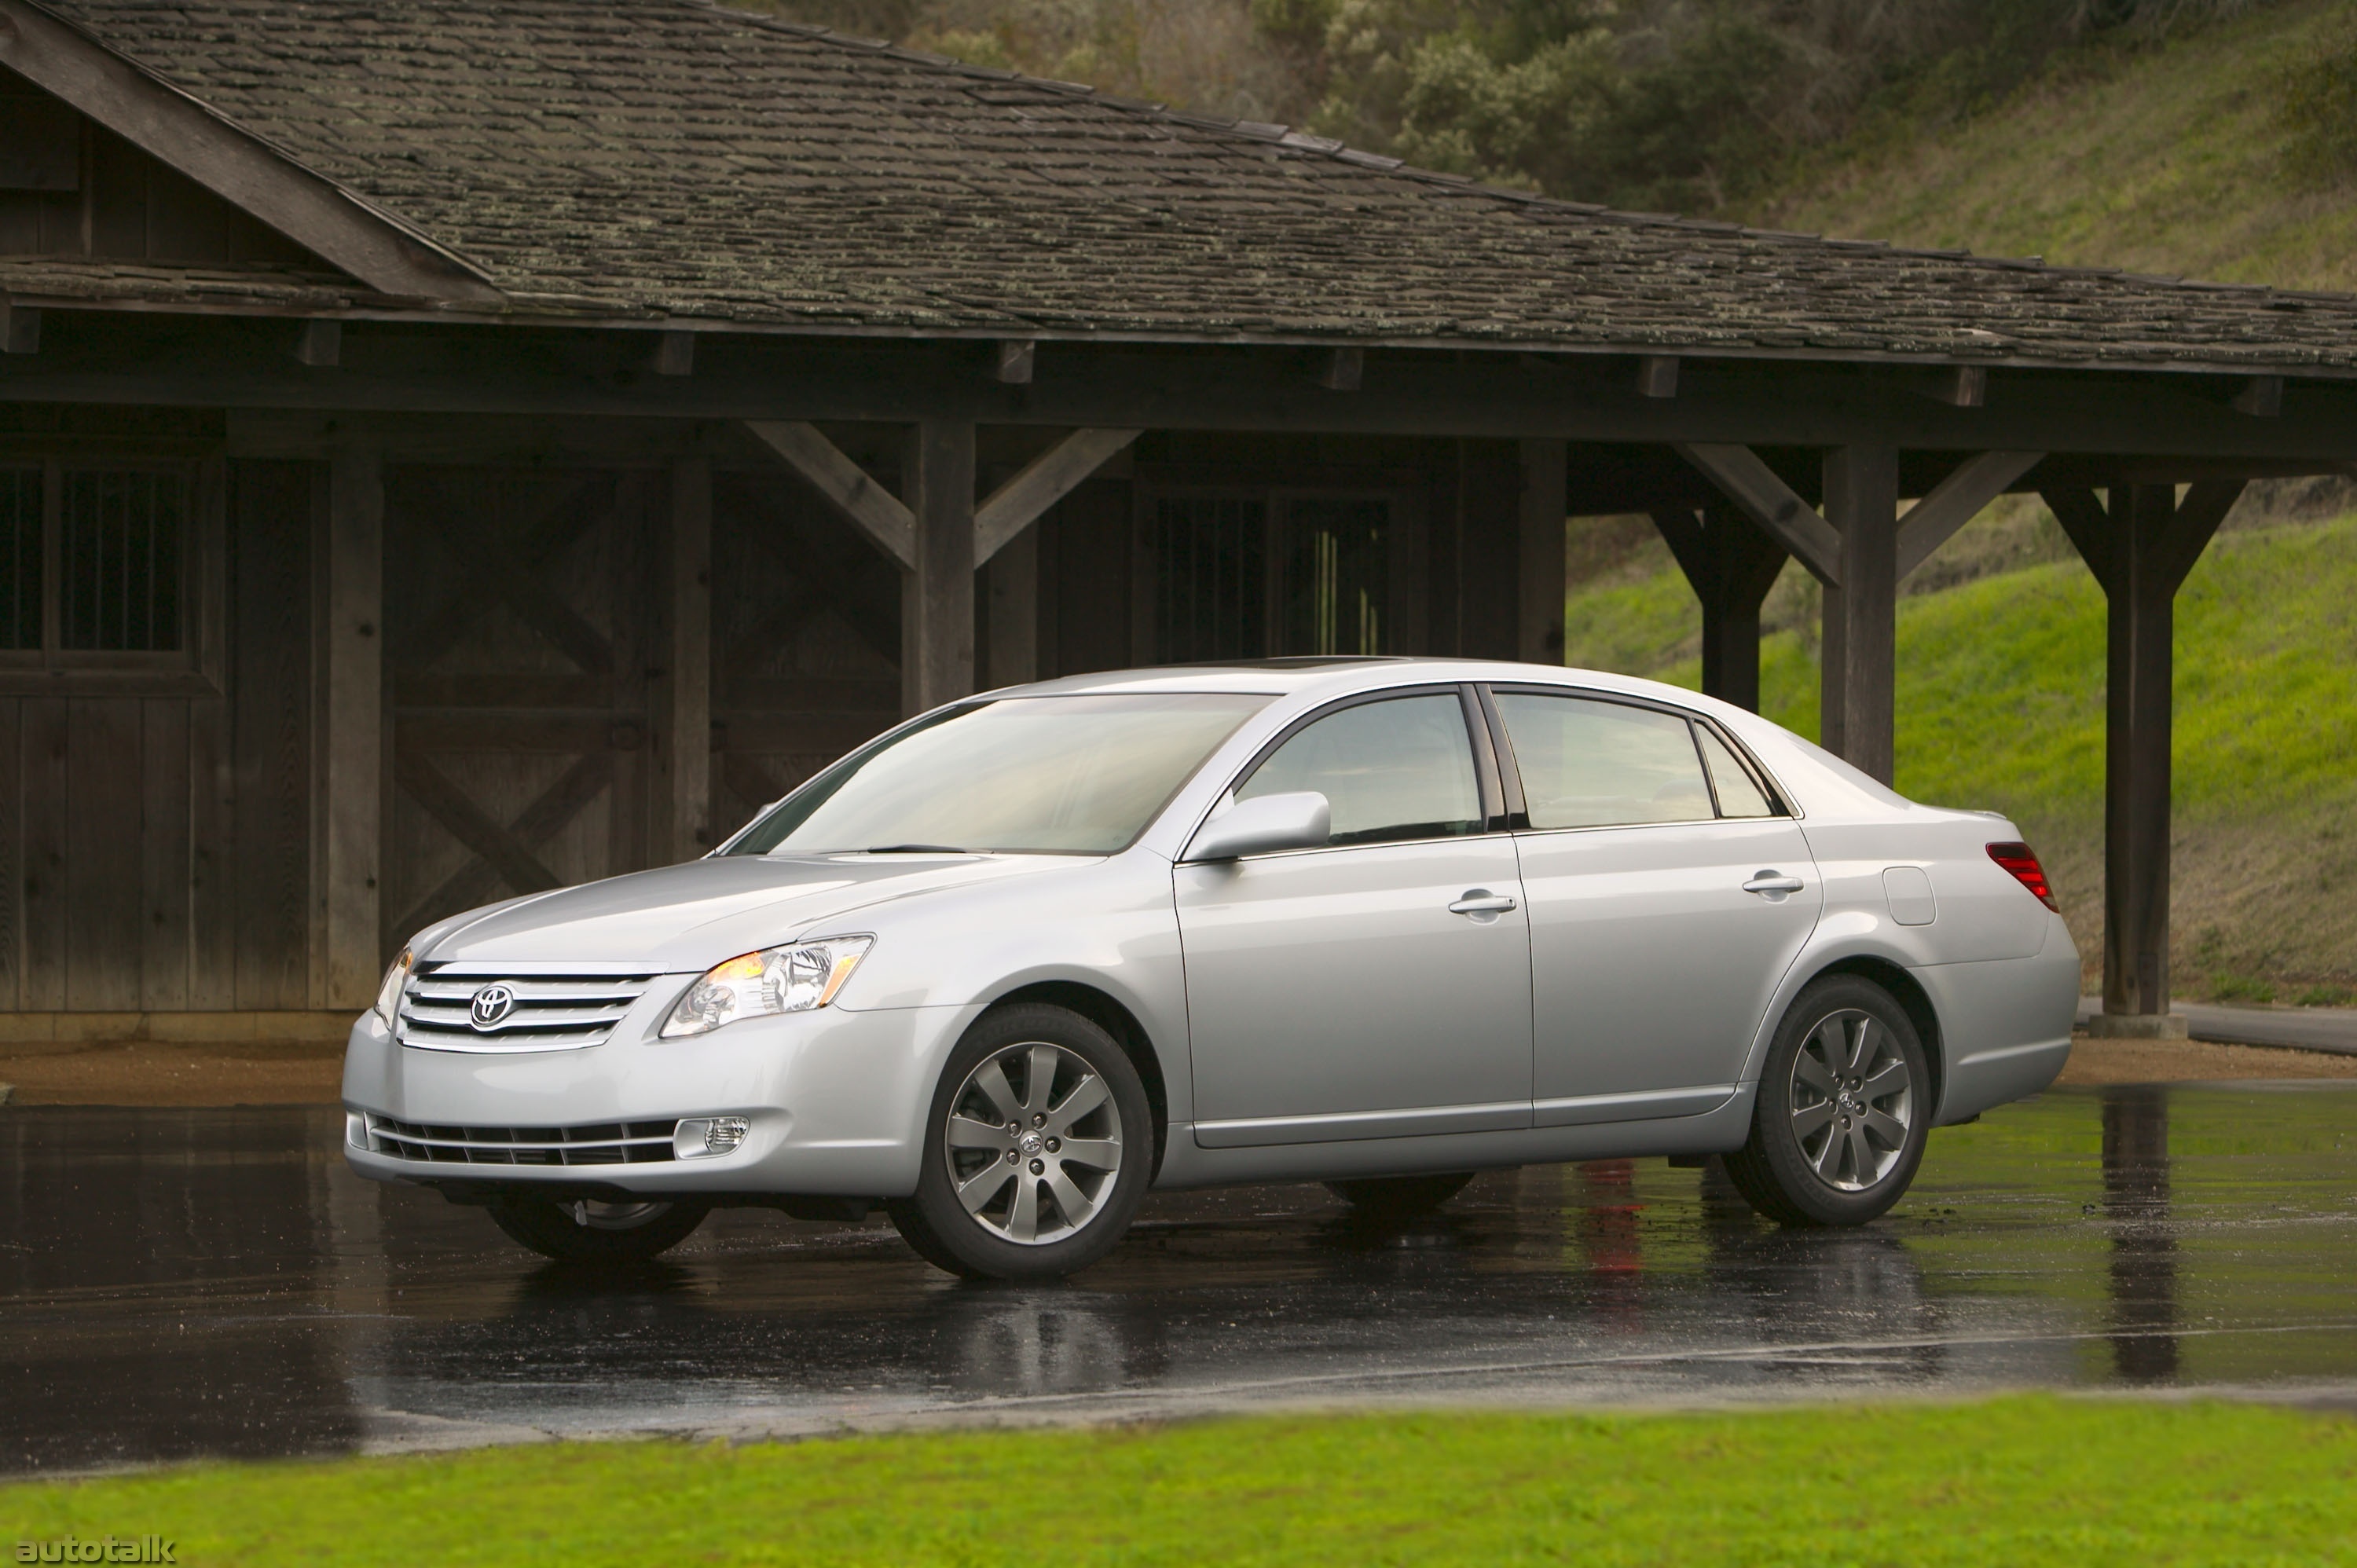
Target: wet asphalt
182,1283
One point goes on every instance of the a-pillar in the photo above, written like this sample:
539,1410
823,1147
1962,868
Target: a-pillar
1731,565
1858,689
353,709
2140,553
937,591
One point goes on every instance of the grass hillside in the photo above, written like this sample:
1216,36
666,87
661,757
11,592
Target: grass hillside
2171,158
2165,159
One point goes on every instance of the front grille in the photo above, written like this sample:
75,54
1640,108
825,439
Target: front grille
551,1011
603,1144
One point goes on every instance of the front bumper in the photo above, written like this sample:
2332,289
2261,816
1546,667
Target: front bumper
835,1104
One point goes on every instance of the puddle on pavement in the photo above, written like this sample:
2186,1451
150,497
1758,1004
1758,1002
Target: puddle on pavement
185,1282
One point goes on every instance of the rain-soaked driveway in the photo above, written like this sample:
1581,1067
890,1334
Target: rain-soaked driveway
180,1282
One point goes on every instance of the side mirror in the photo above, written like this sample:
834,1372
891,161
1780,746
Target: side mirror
1270,822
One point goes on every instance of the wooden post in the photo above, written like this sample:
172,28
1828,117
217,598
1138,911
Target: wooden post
937,594
353,647
1012,581
2140,553
1540,518
1730,564
1860,642
682,829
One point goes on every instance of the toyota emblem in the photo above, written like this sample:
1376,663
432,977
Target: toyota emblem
492,1004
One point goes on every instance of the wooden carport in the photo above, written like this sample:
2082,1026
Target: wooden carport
585,419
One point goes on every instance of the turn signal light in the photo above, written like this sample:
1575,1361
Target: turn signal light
2022,860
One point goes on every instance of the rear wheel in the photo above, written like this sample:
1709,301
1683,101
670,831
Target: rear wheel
1844,1110
1036,1149
1400,1197
588,1230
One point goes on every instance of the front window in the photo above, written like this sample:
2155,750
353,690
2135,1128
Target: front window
1079,774
1399,769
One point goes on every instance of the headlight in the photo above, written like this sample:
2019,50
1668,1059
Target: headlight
776,979
388,995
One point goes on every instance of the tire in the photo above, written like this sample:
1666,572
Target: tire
1006,1104
1399,1197
596,1233
1828,1146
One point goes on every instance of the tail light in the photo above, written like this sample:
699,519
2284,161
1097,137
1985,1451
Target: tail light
2022,860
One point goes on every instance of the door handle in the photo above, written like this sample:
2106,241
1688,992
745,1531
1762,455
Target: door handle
1773,884
1482,901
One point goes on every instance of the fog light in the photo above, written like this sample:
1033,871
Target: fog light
355,1130
703,1135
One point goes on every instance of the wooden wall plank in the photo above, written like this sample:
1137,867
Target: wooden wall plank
212,859
46,787
164,878
103,946
12,855
271,729
354,691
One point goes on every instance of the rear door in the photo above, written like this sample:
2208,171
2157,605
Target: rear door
1669,893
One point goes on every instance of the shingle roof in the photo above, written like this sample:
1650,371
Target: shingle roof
641,158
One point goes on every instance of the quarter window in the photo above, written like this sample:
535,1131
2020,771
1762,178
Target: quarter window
1399,769
1740,794
1587,764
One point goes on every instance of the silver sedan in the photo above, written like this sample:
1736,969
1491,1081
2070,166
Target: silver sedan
1377,922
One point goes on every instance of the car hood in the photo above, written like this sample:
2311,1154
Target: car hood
691,917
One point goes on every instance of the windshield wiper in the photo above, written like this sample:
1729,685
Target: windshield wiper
912,849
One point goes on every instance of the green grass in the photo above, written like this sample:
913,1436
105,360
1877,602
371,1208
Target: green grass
2167,160
2019,1481
2001,706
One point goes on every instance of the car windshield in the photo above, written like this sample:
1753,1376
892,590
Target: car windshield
1079,774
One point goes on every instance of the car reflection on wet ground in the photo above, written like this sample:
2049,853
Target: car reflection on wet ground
176,1283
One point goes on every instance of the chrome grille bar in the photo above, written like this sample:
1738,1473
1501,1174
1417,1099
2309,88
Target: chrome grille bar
550,1012
599,1144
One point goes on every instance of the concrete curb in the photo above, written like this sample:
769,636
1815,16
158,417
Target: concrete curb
2332,1029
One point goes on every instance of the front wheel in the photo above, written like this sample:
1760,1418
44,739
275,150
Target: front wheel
1036,1149
1844,1110
590,1231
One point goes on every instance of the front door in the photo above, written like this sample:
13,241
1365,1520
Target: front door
1379,986
1668,896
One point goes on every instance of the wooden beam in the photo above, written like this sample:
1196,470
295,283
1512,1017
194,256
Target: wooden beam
353,748
1769,502
683,828
1657,375
319,342
674,353
2089,527
1045,480
1343,370
1956,500
1958,386
20,328
937,594
2261,397
375,247
1011,585
877,512
1015,358
1540,528
483,369
1859,643
1732,564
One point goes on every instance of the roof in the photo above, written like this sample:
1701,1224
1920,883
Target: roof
639,160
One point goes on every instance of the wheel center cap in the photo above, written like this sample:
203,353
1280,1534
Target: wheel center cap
1031,1144
1849,1102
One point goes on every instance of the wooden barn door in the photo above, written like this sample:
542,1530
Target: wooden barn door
520,610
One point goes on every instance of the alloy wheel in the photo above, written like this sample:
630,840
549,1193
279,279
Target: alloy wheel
1852,1100
1033,1142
